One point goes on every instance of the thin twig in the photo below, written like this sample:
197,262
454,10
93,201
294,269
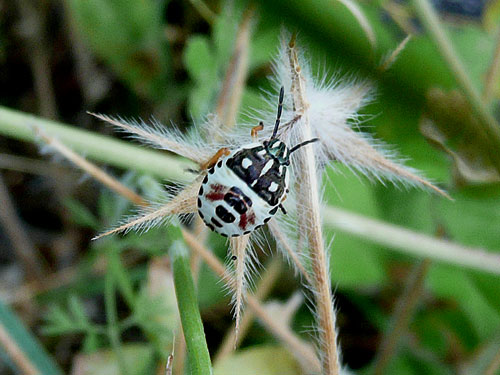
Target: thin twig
302,351
492,77
233,85
387,63
488,125
33,28
16,354
91,168
25,251
308,191
233,339
33,166
403,312
204,11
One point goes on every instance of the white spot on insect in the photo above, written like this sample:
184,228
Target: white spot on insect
273,187
280,169
267,167
246,163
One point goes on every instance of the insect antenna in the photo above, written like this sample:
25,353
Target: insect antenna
296,147
280,109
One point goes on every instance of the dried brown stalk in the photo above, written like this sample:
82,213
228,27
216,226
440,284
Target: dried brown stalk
401,317
233,85
25,251
491,80
90,168
387,63
308,192
182,203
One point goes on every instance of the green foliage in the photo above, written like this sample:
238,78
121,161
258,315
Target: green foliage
129,37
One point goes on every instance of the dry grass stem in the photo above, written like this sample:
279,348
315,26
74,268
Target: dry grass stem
182,203
387,63
493,74
238,247
301,350
25,251
33,166
155,136
233,338
16,354
357,12
309,193
405,307
33,31
233,85
90,168
292,254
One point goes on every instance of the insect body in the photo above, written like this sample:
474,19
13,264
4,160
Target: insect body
242,191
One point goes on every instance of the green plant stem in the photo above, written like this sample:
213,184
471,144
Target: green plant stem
115,267
95,146
113,331
489,126
14,124
198,356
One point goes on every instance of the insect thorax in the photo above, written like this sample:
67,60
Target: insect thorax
260,170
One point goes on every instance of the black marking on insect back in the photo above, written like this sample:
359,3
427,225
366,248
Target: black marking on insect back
234,257
211,170
267,219
210,226
224,214
201,215
247,232
216,223
237,200
200,192
273,211
205,180
219,164
252,175
199,202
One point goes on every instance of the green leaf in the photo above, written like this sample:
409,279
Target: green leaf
27,343
128,36
354,262
80,214
199,59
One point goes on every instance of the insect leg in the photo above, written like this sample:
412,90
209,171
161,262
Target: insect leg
282,208
257,129
213,160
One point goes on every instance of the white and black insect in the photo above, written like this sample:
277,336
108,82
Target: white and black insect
244,189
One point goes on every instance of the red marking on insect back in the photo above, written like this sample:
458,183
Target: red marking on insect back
217,192
245,219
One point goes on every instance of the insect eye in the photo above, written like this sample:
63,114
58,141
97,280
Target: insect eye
265,143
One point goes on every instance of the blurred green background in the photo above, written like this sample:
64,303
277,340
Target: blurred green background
167,60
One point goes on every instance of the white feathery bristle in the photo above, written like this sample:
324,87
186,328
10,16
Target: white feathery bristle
333,112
